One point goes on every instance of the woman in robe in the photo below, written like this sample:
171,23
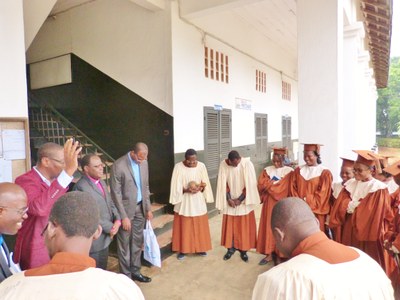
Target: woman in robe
312,182
273,185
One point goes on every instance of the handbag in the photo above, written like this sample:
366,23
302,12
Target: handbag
151,248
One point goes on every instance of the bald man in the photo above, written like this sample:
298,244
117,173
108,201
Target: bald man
319,268
13,211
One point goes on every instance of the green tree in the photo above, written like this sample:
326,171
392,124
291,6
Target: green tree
388,104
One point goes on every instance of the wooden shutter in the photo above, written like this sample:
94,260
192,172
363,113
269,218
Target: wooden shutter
261,128
217,138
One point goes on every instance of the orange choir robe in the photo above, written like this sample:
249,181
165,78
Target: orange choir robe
393,237
366,226
270,191
316,191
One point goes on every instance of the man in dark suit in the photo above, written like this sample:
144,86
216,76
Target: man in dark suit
130,193
13,211
110,220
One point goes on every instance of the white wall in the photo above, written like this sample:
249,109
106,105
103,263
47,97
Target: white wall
123,40
192,90
320,57
35,13
13,95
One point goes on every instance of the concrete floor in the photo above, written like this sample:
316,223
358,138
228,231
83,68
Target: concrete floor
208,277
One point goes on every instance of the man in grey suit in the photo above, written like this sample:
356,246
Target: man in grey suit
131,194
13,211
110,220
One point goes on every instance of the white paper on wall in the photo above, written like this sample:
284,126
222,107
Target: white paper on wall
13,141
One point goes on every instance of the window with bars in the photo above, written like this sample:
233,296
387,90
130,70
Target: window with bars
261,128
217,137
286,90
216,65
261,81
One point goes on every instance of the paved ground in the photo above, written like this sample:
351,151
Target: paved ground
208,277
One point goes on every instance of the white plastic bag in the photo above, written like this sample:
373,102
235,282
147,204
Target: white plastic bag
151,249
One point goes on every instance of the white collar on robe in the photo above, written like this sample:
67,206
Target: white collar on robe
392,186
360,189
308,172
336,189
278,172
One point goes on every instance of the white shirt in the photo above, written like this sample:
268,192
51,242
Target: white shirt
63,179
308,277
92,283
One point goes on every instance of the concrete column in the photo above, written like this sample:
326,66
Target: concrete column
352,84
13,89
320,61
366,113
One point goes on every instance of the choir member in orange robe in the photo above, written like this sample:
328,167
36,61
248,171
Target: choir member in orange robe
363,210
346,173
384,176
392,236
312,182
273,185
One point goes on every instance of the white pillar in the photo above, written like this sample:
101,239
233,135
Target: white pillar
320,56
352,90
13,89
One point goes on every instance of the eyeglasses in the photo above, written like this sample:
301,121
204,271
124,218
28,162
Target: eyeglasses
21,211
57,160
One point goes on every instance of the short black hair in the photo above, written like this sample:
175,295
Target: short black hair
76,213
140,146
85,161
190,152
233,155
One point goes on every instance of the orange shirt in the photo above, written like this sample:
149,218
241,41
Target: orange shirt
63,262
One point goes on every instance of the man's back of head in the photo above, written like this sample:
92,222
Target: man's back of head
292,221
73,223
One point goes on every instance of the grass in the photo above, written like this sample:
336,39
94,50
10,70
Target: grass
388,142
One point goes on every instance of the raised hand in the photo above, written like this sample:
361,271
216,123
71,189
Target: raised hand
71,152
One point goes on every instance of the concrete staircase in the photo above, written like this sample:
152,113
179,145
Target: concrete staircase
47,124
162,226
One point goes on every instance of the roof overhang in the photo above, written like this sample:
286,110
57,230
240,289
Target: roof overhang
378,26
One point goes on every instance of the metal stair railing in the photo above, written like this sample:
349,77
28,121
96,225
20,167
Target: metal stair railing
54,127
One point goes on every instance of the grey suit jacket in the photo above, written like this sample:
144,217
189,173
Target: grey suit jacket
4,264
124,189
108,211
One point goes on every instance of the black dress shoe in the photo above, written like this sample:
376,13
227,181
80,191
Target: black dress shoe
141,278
243,256
265,260
228,254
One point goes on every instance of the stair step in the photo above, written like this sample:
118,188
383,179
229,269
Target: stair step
164,242
158,209
162,223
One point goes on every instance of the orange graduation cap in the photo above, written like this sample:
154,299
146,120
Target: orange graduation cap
280,151
384,159
394,169
368,158
312,147
347,163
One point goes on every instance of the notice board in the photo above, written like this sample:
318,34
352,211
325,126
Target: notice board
14,148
